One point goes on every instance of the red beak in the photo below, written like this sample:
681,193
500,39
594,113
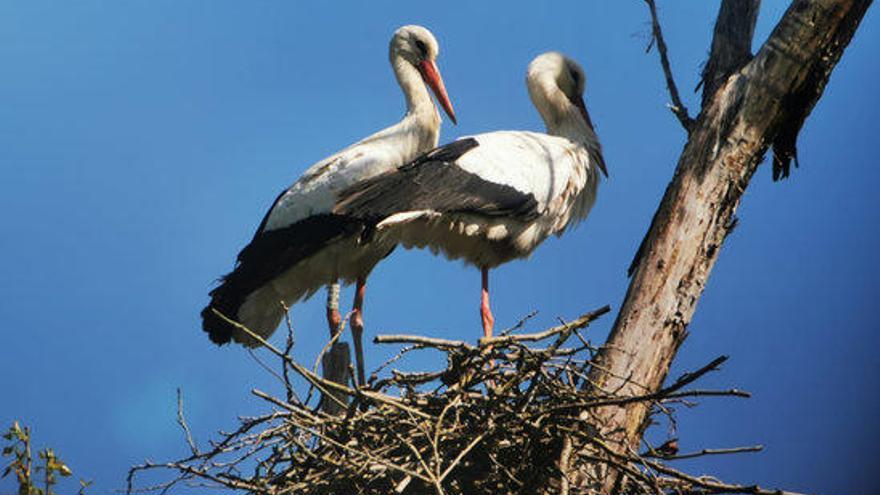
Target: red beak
432,77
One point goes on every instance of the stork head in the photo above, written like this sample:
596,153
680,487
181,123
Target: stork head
556,85
417,46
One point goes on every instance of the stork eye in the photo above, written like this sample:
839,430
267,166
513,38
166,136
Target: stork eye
575,76
423,48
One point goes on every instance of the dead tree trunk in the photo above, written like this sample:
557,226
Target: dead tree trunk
749,104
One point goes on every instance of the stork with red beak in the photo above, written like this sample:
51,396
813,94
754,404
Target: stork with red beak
494,197
299,246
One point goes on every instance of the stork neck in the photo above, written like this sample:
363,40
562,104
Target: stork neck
561,117
567,122
418,100
570,124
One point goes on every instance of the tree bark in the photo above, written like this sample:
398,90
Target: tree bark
748,104
731,44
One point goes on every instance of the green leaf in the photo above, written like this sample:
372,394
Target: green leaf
83,484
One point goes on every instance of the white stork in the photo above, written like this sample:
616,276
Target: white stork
299,247
494,197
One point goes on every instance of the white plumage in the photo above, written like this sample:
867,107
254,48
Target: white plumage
298,248
493,197
555,171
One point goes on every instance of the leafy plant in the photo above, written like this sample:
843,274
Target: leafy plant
33,478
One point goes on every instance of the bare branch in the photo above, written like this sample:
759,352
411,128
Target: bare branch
182,422
677,107
423,341
577,324
704,452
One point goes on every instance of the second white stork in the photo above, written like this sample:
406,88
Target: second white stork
299,247
494,197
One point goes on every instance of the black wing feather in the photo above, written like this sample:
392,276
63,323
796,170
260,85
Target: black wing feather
267,256
435,182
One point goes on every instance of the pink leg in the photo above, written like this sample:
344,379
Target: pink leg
357,327
485,310
334,319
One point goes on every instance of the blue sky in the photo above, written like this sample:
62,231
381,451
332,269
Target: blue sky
141,142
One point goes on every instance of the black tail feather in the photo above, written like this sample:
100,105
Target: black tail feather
270,254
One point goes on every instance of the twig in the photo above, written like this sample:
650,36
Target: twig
534,337
332,341
265,366
321,384
677,107
423,341
519,324
461,455
182,422
733,392
668,392
704,452
291,395
688,378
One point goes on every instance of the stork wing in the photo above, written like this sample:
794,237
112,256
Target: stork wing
435,182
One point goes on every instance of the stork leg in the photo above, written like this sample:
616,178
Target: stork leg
334,319
357,327
485,310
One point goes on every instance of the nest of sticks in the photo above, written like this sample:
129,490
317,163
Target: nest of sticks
494,420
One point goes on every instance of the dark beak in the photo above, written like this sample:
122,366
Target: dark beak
579,103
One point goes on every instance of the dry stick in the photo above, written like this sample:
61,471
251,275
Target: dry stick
189,470
333,340
733,392
430,478
677,107
704,452
321,384
424,341
639,477
693,376
333,442
367,455
668,392
182,422
461,455
318,382
438,429
290,407
713,485
392,359
287,348
577,324
519,324
265,366
563,332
